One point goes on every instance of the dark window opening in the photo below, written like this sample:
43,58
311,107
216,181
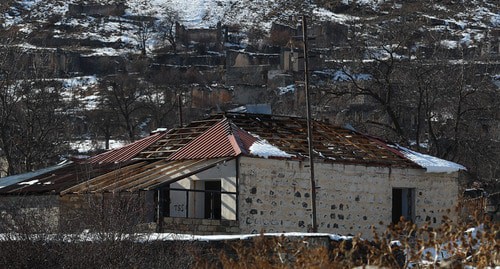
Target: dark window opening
162,201
213,201
403,204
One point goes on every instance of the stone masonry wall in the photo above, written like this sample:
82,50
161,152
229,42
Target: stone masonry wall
29,213
275,196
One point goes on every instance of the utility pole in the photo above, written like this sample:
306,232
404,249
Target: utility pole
314,227
179,102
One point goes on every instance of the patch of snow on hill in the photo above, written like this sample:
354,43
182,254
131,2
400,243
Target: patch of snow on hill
449,44
86,146
374,4
495,20
286,89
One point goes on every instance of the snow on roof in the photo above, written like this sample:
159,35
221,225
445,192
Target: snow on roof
430,163
262,148
31,182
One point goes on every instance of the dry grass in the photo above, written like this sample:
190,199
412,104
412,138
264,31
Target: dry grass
401,246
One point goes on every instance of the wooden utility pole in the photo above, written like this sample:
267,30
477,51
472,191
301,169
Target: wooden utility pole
179,101
314,227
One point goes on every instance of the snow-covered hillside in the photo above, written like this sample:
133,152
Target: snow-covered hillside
81,44
468,22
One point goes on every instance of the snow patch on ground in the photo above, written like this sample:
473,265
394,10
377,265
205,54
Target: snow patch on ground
87,236
190,237
85,146
286,89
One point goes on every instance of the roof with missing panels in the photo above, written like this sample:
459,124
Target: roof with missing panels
57,180
126,152
163,158
232,134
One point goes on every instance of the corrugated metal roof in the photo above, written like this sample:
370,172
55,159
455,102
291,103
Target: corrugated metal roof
145,175
244,139
127,152
166,156
218,141
54,181
177,138
231,134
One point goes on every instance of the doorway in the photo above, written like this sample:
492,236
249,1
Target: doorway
403,204
213,199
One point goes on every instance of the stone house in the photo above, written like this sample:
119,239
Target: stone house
96,9
247,173
213,38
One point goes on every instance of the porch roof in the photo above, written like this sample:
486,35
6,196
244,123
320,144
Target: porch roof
144,175
53,181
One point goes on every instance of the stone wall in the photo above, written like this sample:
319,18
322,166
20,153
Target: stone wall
203,36
200,226
36,214
249,75
275,196
118,9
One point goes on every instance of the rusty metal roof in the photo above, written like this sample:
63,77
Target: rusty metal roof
60,178
331,143
231,134
163,157
145,175
177,138
127,152
221,140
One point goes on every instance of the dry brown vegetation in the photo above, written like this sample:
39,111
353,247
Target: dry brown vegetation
402,246
111,238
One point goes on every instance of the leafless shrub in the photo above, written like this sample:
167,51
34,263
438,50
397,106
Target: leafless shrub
101,232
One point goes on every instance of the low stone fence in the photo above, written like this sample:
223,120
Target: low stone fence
200,226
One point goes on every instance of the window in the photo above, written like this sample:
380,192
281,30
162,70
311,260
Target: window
403,204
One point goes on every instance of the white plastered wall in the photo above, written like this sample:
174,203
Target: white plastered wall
226,173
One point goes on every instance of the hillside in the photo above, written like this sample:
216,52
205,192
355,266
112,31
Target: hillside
422,73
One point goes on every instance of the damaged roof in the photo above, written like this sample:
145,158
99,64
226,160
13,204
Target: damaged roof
57,180
232,134
165,157
126,152
144,175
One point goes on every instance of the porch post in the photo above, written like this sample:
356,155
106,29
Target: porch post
159,212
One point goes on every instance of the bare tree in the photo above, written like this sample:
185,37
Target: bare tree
420,93
166,28
33,118
124,95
